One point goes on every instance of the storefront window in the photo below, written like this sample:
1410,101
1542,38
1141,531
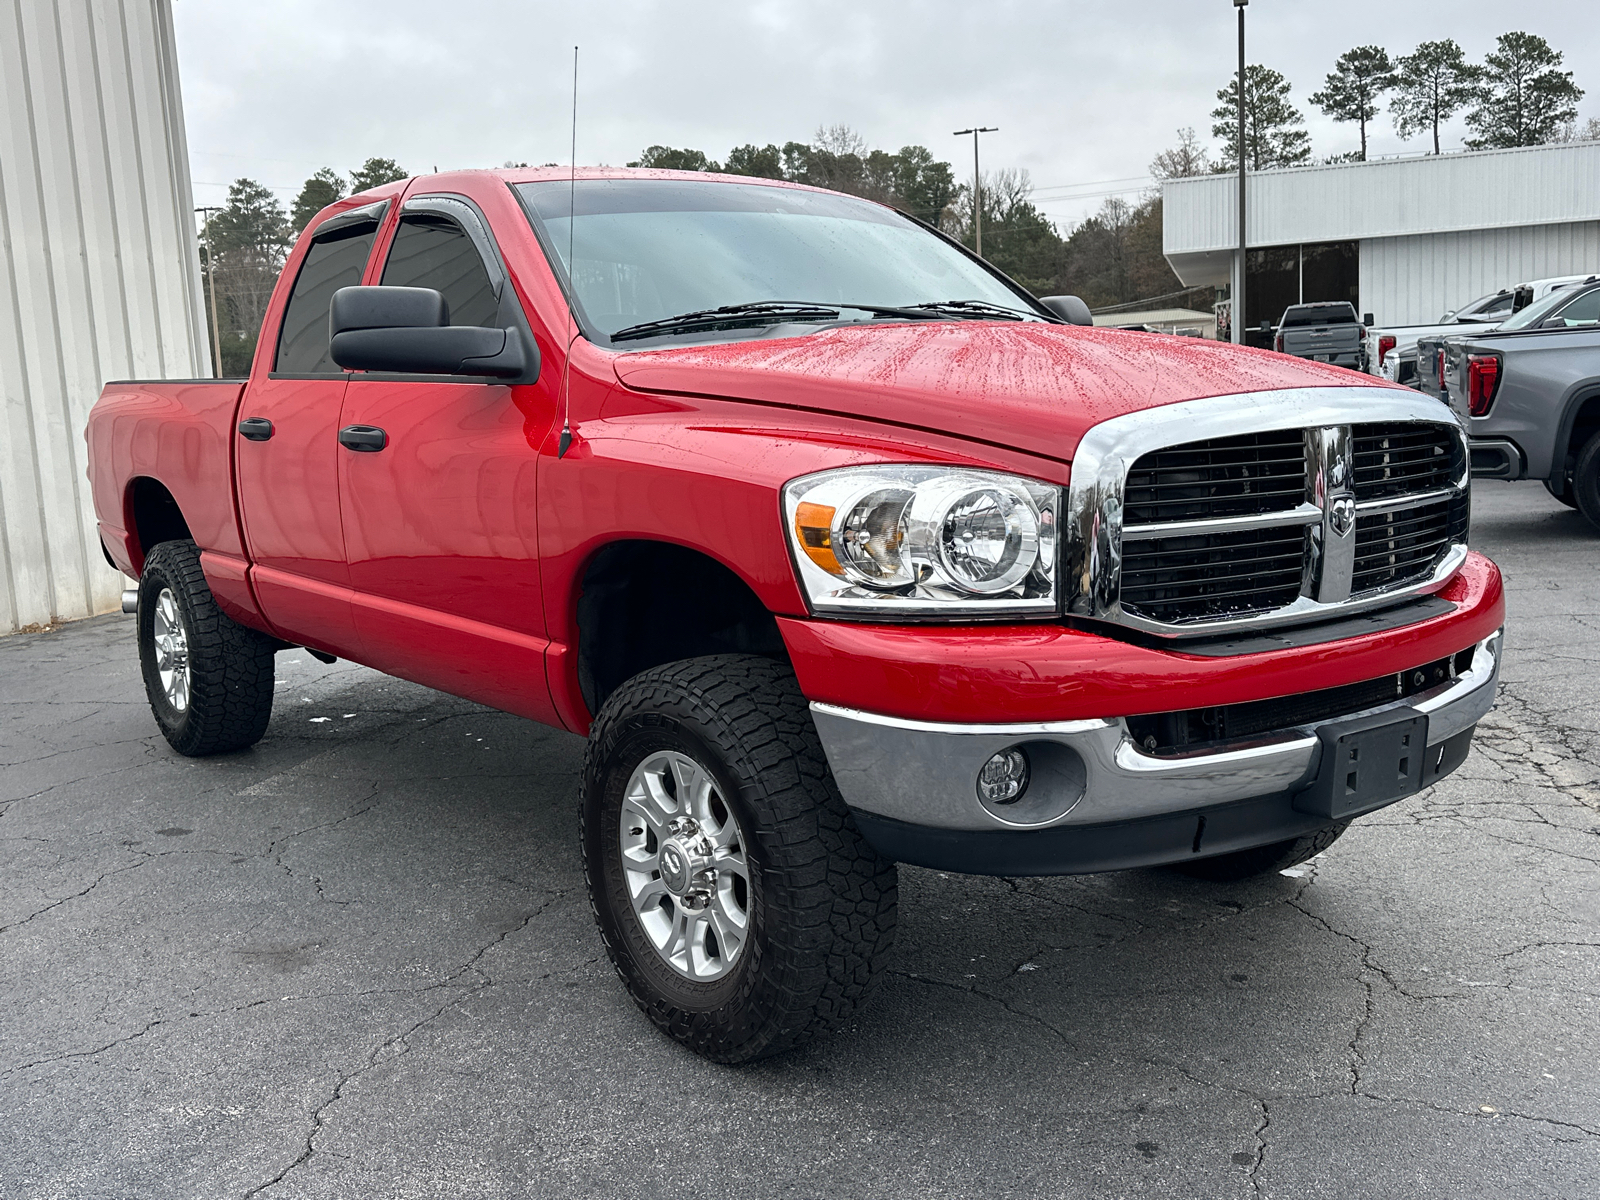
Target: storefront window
1279,276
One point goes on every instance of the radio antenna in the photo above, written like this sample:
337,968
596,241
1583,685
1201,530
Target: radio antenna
572,274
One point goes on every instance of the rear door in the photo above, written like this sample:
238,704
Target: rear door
285,449
441,523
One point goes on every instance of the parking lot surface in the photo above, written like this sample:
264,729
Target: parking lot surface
358,960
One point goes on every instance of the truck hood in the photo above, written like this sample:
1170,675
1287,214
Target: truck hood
1030,386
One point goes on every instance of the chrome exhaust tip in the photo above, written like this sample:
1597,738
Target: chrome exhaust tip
130,600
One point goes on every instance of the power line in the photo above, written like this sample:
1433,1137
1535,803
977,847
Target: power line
1135,304
1056,187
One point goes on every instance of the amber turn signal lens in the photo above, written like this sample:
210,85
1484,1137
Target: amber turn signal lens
813,526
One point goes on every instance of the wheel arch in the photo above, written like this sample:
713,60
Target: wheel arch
643,603
1580,421
151,516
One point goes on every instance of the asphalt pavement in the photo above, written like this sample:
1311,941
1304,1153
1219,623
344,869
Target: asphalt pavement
358,961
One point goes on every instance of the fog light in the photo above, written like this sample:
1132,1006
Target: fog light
1004,777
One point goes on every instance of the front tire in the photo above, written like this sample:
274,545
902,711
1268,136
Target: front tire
1585,485
1262,860
736,899
208,678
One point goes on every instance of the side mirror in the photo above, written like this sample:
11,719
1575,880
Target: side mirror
1069,308
407,330
1368,321
1553,323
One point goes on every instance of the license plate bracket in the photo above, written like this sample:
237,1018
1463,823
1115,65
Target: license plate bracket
1366,762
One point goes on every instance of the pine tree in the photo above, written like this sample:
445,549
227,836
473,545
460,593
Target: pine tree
375,172
1523,99
1351,92
321,190
1271,136
1432,83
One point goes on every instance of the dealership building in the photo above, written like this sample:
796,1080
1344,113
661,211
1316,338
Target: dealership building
1404,239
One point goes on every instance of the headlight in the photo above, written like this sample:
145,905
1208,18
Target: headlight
927,541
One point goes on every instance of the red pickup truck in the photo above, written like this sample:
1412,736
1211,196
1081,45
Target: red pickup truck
840,548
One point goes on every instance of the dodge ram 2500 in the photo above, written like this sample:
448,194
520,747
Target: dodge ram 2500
840,548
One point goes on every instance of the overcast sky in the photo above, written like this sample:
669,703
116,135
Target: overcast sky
1084,94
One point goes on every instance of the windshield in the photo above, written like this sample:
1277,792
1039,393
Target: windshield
650,249
1485,308
1530,317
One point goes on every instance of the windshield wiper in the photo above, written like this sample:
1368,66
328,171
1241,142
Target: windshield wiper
763,312
730,316
975,308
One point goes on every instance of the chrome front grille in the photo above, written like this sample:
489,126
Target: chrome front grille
1222,477
1310,515
1400,547
1174,579
1403,459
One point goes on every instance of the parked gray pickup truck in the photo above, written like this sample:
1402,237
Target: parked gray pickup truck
1529,393
1329,333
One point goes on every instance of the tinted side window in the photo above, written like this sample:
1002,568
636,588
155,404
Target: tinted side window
1585,310
434,252
329,265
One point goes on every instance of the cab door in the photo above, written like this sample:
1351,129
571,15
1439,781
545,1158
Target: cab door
285,449
440,512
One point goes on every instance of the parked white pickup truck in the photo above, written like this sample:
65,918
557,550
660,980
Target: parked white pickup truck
1391,351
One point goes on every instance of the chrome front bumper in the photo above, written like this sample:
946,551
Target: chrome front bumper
924,773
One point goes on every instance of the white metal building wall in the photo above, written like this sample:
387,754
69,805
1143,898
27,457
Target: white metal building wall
1486,189
99,272
1412,280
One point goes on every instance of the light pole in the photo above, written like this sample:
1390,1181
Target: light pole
1238,291
977,189
211,280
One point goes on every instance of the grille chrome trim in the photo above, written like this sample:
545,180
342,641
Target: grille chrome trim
1335,422
1305,514
1396,503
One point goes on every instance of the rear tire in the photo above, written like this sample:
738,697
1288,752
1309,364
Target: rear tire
1585,485
716,760
208,678
1263,860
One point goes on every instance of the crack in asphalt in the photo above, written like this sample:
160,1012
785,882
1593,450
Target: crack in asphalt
318,1119
84,892
1260,1135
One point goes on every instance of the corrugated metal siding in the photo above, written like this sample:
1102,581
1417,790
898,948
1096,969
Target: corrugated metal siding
99,272
1413,280
1490,189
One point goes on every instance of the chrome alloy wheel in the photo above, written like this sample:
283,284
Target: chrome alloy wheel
172,651
684,861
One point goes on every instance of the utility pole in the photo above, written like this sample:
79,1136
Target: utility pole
211,282
1238,291
977,188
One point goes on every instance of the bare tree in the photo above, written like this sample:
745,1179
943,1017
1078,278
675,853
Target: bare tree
839,141
1589,131
1183,160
